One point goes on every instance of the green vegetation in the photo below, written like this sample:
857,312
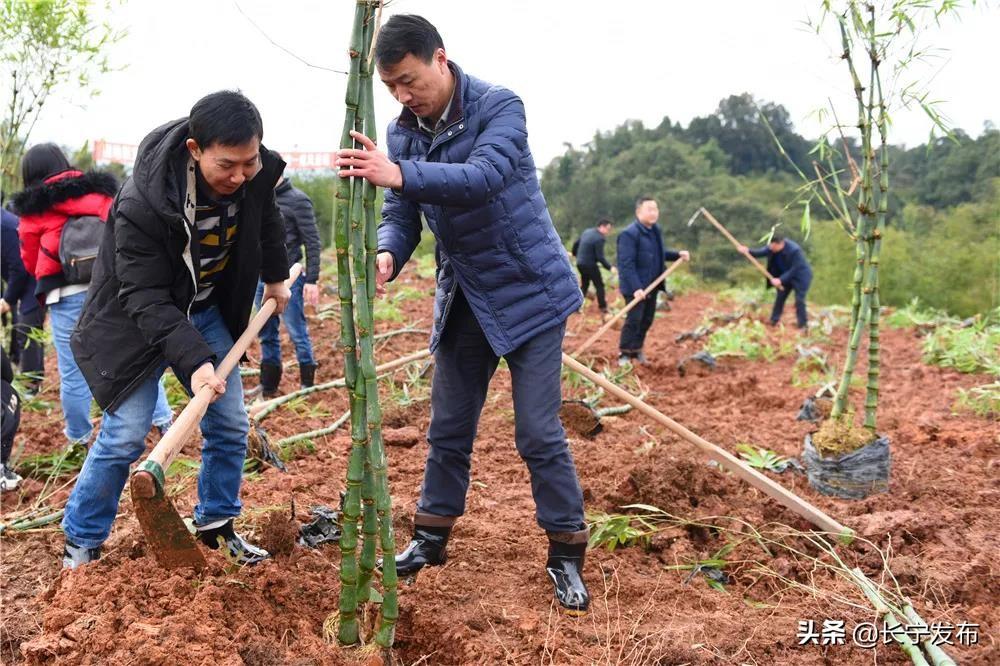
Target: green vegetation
974,348
759,458
981,400
745,338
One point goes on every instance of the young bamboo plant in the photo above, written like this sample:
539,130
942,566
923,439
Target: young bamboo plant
368,500
865,38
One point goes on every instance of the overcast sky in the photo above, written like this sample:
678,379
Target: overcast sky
579,66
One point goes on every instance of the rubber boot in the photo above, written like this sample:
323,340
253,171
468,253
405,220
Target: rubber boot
307,374
428,547
565,568
270,378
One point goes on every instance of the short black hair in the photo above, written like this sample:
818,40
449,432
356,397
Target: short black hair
604,222
776,238
642,200
406,33
226,118
42,161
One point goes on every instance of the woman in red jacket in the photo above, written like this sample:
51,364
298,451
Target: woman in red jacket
55,192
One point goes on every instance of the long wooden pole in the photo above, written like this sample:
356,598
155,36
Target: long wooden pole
634,302
737,244
721,456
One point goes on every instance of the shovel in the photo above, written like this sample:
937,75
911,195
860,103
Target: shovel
172,544
621,313
725,459
736,243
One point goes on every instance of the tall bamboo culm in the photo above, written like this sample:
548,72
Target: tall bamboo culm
348,631
368,504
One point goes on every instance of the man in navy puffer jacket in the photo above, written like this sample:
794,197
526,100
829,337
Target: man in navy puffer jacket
458,154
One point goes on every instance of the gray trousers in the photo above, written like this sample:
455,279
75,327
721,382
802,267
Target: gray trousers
464,365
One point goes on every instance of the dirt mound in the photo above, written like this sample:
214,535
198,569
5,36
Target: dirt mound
122,610
492,602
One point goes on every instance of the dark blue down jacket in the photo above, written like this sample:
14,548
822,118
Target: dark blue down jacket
475,184
789,265
642,256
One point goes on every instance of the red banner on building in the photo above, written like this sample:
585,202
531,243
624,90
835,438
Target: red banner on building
123,153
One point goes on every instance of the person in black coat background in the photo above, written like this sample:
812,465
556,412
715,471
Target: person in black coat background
589,253
20,302
300,230
787,262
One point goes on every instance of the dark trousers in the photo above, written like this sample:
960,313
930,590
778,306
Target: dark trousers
464,365
27,353
637,323
800,304
590,274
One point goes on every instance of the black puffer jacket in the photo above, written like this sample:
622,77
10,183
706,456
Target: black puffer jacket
300,228
136,313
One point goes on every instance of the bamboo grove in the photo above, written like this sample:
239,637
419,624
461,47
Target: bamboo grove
368,504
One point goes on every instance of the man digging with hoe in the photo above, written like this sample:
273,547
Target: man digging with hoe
187,238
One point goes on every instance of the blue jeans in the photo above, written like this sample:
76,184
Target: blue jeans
295,322
464,363
93,503
74,394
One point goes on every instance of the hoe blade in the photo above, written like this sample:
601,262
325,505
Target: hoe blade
167,535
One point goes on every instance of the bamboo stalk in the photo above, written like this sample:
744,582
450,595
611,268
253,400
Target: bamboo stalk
385,634
895,627
363,391
348,632
937,656
874,345
861,295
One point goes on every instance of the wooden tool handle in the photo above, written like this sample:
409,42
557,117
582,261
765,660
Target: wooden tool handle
189,418
725,232
721,456
621,313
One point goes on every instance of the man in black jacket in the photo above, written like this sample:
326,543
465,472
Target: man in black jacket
300,229
187,238
589,253
787,262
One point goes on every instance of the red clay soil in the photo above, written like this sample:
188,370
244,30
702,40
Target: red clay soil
492,602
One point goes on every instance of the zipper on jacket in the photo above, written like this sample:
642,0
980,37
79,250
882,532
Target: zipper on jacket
190,264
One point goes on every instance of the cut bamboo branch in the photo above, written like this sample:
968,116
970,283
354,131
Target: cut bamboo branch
312,434
259,411
938,656
721,456
896,628
621,313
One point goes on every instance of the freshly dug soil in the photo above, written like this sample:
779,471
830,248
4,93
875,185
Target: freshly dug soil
492,603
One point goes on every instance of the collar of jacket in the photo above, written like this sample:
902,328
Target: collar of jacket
159,175
408,120
63,186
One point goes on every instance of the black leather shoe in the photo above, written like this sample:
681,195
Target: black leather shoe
240,550
307,374
427,548
270,377
565,568
74,555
